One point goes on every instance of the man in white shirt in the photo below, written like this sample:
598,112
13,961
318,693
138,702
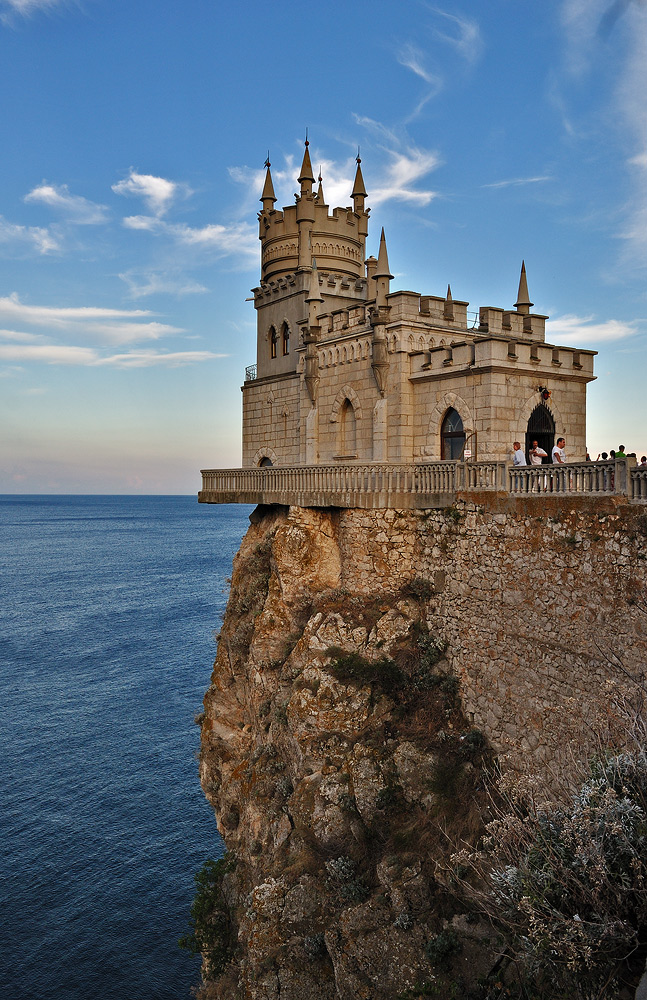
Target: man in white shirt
537,454
518,457
558,454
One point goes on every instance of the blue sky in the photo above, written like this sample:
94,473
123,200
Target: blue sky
134,134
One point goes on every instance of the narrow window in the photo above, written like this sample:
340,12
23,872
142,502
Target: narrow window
286,339
452,436
274,339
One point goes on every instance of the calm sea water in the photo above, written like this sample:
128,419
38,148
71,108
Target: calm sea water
107,615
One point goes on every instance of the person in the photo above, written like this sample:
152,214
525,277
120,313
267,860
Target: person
537,454
558,453
518,457
603,456
643,462
621,452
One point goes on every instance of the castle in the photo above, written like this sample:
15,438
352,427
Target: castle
349,371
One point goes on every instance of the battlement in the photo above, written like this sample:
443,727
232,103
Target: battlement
486,352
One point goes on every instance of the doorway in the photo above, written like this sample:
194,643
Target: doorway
541,428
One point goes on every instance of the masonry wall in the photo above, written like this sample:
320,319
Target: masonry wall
542,603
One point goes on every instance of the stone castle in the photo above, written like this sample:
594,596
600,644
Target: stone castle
348,371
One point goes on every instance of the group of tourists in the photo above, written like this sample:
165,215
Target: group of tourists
537,454
558,454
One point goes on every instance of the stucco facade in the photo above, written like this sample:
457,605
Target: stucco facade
348,370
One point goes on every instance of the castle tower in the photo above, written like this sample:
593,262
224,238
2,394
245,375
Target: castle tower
290,239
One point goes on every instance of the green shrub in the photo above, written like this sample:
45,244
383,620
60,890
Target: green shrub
356,669
210,928
442,948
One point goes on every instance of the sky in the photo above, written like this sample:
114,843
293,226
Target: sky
134,136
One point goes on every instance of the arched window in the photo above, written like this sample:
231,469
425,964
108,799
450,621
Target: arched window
541,428
265,463
347,430
286,339
274,339
452,436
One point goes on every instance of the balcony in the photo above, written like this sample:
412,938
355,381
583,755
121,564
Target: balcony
429,485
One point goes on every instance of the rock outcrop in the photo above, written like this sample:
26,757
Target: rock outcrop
367,662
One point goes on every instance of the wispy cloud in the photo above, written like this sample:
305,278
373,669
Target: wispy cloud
143,283
37,238
238,239
592,36
157,193
65,354
463,34
89,335
75,208
10,9
406,166
413,58
518,182
583,331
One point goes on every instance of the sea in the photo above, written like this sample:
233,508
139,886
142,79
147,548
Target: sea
108,610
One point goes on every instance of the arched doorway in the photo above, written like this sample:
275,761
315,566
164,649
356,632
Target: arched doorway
541,428
452,436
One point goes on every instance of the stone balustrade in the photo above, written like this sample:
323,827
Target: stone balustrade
423,485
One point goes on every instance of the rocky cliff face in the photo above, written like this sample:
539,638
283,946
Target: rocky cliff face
366,661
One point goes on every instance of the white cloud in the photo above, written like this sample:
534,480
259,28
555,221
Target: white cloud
412,58
76,208
582,331
157,193
517,182
465,36
11,306
35,237
20,337
25,8
237,239
148,359
64,354
88,336
405,170
142,283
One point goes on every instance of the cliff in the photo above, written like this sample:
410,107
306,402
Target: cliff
370,665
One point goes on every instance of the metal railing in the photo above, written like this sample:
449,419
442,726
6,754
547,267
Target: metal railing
250,373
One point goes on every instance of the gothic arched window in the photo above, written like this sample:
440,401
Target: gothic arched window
347,430
286,339
274,339
452,436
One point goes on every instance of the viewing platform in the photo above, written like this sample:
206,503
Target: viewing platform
421,486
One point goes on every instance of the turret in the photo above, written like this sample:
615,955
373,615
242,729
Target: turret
306,178
268,197
359,191
382,274
448,308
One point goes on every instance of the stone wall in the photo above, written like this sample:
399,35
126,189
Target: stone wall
542,602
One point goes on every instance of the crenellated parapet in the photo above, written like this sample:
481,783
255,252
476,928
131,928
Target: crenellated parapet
290,238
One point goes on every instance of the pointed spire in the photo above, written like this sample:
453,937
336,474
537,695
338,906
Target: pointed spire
382,270
359,190
268,188
523,304
306,177
320,194
448,310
